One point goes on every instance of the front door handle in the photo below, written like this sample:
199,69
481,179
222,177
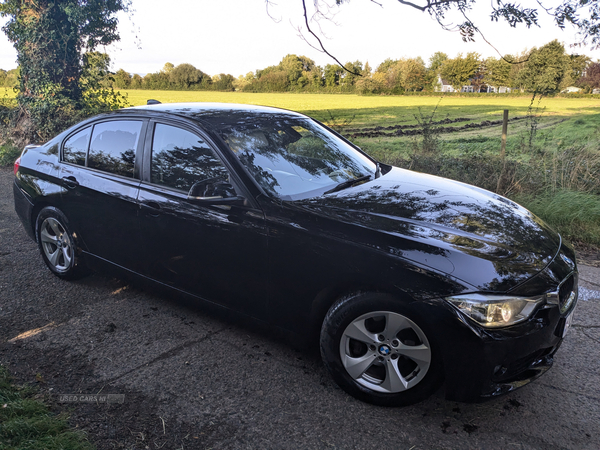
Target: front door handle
71,182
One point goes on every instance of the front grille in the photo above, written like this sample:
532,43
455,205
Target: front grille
566,295
567,292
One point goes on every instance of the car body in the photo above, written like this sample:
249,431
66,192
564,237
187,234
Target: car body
409,279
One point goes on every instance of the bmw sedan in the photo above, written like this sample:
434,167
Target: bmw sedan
409,281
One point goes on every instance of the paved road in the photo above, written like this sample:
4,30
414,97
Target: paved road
192,379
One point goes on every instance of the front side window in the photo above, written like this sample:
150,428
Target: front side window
76,146
295,158
114,145
181,159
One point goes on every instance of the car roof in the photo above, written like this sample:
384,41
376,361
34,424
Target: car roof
216,113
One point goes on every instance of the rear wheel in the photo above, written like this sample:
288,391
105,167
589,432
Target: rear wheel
379,351
57,244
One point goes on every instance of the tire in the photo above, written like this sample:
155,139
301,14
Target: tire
58,245
379,351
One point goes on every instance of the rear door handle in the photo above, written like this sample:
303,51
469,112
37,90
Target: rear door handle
71,182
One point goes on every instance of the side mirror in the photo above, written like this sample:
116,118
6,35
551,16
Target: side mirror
213,192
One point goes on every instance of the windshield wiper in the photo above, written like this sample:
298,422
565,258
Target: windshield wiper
347,184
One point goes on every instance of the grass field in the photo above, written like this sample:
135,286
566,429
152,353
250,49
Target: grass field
377,110
562,121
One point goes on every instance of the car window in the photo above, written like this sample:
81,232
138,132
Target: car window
180,159
295,158
76,146
113,146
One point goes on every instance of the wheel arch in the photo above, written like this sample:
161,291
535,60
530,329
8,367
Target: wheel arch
35,211
328,296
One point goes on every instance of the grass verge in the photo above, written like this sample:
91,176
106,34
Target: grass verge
27,424
575,215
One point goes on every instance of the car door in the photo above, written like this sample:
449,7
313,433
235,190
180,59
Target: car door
215,251
100,178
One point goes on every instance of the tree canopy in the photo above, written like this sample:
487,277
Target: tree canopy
51,38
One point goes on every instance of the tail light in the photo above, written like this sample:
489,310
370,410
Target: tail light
17,164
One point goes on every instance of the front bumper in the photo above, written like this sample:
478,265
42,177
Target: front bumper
482,363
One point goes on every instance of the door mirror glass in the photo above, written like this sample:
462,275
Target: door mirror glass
211,189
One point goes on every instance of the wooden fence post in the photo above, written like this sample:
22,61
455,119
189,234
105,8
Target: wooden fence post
504,131
503,151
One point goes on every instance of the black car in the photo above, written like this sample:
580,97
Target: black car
409,279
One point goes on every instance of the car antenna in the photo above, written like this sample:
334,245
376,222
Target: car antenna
153,102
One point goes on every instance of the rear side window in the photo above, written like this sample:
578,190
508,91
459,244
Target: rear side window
76,146
181,158
114,145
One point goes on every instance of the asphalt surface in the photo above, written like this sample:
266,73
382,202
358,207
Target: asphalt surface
193,379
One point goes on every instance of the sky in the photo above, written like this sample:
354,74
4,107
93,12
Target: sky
241,36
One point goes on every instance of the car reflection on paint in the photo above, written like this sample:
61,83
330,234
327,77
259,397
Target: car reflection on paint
408,280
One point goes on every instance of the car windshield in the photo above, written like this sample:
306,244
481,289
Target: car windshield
296,158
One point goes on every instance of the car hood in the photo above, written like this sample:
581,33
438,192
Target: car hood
470,234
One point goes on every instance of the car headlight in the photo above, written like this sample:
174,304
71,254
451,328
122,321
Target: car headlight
494,311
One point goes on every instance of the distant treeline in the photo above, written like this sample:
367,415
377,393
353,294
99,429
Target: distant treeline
9,78
546,70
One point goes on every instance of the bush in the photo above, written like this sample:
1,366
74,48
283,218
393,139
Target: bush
8,154
483,171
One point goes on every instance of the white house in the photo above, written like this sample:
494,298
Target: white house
445,86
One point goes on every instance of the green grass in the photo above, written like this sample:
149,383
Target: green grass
563,121
376,110
27,424
575,215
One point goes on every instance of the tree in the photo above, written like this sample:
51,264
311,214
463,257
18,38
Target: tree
436,61
545,69
50,37
95,71
185,75
352,73
433,70
333,73
458,71
136,81
579,64
413,74
591,79
223,82
122,79
499,72
292,66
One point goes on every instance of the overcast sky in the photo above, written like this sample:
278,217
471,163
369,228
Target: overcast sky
239,36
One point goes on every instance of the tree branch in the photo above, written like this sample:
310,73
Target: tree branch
323,49
476,29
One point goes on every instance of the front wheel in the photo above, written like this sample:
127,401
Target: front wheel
378,351
57,244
